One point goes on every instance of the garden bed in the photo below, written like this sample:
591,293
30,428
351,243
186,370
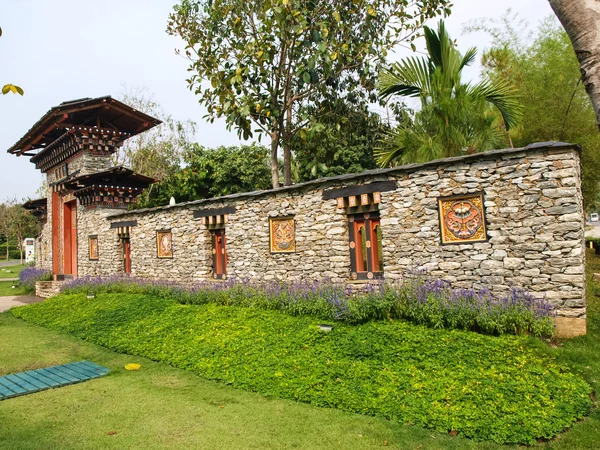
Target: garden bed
482,387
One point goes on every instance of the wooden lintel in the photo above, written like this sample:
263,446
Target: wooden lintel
128,223
379,186
214,212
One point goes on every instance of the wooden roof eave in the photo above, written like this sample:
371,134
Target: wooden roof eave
42,127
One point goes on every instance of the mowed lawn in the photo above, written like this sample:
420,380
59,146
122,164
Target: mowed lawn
11,271
6,287
164,407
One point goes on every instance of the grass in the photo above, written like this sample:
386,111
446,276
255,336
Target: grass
164,407
378,368
11,271
6,288
160,407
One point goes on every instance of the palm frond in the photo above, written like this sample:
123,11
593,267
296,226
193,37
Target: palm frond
409,78
468,58
503,96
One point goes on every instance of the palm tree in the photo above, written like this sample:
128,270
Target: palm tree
455,117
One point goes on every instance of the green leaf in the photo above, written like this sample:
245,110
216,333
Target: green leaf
306,77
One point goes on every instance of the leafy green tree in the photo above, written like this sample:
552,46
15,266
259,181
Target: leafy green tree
343,145
262,64
157,152
455,117
581,19
17,223
212,173
10,87
545,71
22,224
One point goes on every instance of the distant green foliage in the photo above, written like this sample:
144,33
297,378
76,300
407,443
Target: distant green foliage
455,117
212,173
344,143
260,64
482,387
544,69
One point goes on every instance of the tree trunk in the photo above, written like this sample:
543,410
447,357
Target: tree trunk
287,148
7,250
287,164
274,162
581,20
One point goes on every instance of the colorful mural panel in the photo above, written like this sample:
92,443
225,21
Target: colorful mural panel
462,219
93,247
282,235
164,244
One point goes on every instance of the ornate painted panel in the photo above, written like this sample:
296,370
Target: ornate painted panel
282,234
462,219
164,244
93,247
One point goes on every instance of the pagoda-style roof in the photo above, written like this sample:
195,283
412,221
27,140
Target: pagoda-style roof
102,113
115,178
38,207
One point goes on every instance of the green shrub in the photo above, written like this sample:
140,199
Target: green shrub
482,387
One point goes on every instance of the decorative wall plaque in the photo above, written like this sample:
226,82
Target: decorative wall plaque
462,219
93,247
282,235
164,244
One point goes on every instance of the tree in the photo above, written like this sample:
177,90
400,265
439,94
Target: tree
10,87
17,223
545,71
581,20
261,64
212,173
455,117
5,226
157,152
344,144
22,224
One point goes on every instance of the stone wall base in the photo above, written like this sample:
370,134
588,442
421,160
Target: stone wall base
569,327
47,289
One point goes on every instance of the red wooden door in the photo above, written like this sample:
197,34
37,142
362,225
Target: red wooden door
70,238
219,254
126,255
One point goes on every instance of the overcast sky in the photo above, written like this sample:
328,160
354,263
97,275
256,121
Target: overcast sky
59,50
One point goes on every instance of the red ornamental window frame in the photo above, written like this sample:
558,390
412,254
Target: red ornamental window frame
365,246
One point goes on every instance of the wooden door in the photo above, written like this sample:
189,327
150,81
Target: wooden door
126,255
219,254
70,238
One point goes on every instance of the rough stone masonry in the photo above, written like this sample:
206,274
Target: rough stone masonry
533,215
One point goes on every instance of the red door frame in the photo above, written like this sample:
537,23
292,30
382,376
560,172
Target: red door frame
55,232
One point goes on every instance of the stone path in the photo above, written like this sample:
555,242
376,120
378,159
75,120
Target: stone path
9,279
12,262
18,300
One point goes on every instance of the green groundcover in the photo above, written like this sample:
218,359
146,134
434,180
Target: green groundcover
482,387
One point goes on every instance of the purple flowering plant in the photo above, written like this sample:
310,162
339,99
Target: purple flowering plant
31,275
417,298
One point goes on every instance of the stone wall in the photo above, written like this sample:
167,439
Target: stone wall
87,163
533,210
43,244
93,222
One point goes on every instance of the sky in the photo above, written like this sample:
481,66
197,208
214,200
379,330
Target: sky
60,50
